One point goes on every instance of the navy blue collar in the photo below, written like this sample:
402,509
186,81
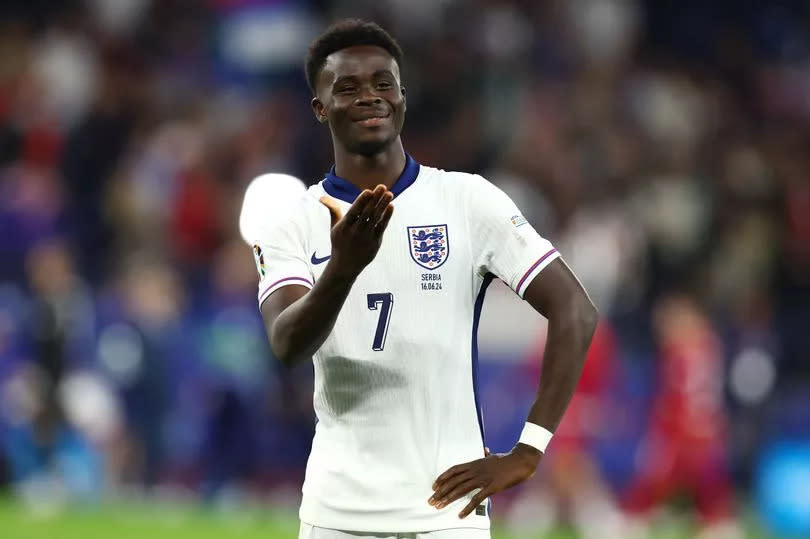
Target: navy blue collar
345,190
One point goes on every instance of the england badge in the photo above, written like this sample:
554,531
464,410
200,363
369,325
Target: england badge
429,245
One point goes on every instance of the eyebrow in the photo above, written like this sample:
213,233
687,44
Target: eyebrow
378,73
343,79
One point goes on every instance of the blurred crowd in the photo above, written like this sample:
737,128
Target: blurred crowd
663,147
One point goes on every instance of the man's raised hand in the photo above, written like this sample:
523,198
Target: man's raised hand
356,236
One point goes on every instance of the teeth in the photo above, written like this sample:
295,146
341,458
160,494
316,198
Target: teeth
372,121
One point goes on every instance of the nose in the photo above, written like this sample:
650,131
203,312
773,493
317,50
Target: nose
369,100
368,96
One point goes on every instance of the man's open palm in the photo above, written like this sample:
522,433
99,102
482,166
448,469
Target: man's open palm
357,236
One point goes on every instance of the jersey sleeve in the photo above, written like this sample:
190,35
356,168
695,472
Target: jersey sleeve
503,241
280,258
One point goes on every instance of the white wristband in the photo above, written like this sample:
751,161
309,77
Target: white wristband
535,436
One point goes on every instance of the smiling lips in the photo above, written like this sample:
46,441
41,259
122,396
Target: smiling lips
374,120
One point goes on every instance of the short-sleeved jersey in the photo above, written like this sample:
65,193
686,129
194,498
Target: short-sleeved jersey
395,382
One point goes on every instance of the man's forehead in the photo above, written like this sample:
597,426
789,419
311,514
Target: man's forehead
359,60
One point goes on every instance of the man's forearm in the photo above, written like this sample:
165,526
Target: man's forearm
303,326
569,336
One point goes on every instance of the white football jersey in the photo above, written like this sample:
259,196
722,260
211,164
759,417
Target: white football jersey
396,380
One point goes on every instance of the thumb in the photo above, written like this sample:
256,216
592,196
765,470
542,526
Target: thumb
334,210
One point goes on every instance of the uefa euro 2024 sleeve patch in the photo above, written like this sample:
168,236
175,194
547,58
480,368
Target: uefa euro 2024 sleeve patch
258,257
518,220
429,245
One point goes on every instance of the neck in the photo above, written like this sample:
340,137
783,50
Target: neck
368,171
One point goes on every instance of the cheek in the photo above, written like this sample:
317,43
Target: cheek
398,102
337,111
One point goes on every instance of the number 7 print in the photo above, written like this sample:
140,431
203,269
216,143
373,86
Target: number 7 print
385,299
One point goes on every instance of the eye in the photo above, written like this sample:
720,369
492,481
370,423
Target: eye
383,85
345,90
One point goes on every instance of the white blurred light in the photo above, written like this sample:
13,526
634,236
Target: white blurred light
268,198
605,29
66,66
119,17
506,32
121,350
752,375
90,405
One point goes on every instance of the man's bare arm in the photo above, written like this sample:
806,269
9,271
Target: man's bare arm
572,318
298,321
556,294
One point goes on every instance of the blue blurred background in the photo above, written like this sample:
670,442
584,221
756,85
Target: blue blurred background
664,147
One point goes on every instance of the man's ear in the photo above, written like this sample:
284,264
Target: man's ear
319,110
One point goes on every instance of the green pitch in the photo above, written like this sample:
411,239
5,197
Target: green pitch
171,521
154,522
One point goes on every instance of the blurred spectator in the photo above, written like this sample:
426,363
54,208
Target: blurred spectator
62,317
233,348
49,460
684,447
135,349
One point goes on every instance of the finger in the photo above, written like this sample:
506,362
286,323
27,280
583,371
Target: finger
382,203
334,209
369,214
376,215
358,206
487,452
382,224
474,502
462,489
450,472
446,486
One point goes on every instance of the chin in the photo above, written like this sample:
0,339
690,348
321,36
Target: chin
369,147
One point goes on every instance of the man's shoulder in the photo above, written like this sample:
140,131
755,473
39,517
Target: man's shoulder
440,173
297,218
315,191
450,178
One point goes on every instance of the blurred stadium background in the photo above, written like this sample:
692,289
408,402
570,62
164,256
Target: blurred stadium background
663,146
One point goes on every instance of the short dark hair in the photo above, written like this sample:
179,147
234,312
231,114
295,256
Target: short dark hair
343,34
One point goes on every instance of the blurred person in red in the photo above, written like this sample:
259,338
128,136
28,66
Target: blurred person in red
684,446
